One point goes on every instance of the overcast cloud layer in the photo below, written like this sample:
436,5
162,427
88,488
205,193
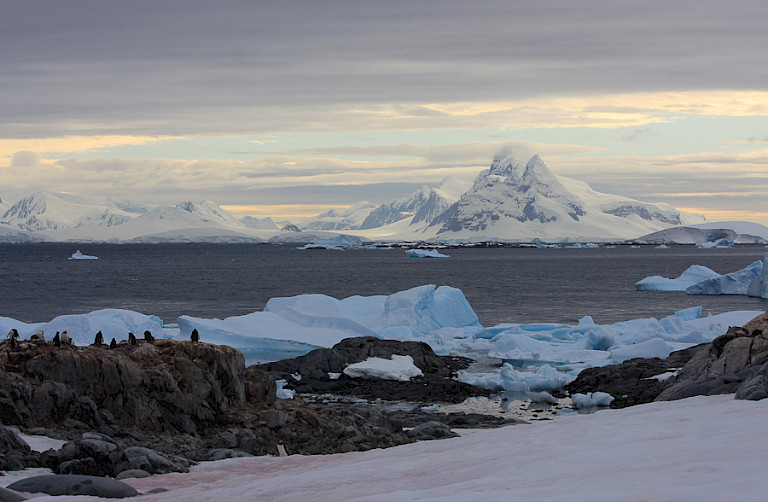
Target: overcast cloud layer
607,88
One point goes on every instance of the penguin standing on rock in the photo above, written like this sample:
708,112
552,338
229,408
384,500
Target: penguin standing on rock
13,336
56,340
131,338
99,340
38,338
113,344
148,337
195,336
65,339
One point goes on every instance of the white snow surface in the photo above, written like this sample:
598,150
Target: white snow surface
692,275
399,368
706,448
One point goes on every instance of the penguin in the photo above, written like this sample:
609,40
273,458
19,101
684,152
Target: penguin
38,337
99,340
195,336
112,344
56,340
131,338
65,339
148,337
13,336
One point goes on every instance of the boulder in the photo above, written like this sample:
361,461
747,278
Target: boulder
72,484
431,430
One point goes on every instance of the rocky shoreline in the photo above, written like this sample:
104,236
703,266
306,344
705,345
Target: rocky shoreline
160,406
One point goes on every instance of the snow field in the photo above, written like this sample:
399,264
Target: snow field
706,448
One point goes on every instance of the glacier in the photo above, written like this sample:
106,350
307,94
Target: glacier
534,358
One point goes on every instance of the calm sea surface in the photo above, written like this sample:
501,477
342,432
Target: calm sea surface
38,282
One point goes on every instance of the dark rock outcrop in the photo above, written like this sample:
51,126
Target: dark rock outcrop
631,382
156,406
311,373
734,360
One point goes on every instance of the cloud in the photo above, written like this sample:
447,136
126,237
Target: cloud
23,159
105,68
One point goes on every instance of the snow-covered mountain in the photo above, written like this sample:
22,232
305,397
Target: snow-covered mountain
513,200
44,211
422,206
332,220
259,223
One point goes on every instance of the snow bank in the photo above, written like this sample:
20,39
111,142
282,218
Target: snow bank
692,275
657,451
399,368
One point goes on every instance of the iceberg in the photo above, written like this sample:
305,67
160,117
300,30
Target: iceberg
692,275
293,326
735,283
77,255
425,253
82,328
400,368
539,357
338,242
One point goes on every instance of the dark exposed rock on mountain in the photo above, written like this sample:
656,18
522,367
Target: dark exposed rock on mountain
322,371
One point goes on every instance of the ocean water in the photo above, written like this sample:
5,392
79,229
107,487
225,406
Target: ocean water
520,285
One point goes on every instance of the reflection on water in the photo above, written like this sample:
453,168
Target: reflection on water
512,405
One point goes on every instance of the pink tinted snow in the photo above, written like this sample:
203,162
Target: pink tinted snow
703,448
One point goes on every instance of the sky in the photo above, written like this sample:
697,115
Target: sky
289,108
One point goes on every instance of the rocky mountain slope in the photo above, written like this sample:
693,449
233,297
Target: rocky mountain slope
523,201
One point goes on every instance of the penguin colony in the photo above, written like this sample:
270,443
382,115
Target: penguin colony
63,339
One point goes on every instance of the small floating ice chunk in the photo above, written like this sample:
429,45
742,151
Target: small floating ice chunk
399,368
424,253
333,376
77,255
591,399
